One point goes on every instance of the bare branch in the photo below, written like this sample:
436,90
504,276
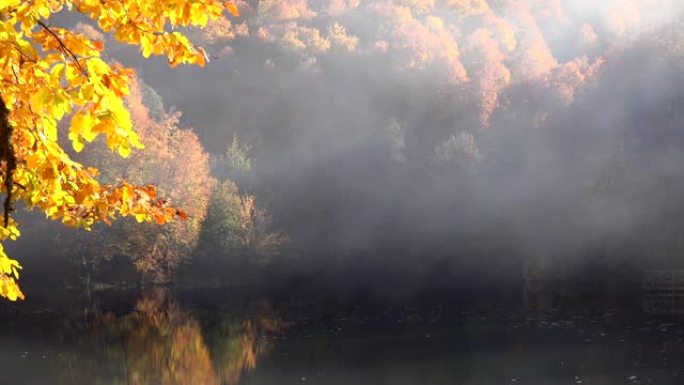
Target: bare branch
72,56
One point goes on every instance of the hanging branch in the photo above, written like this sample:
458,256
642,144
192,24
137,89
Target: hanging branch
7,155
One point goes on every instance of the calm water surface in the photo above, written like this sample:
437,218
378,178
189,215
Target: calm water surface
157,338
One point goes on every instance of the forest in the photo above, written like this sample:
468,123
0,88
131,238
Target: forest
330,160
444,139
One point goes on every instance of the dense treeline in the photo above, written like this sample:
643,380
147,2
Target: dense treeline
420,139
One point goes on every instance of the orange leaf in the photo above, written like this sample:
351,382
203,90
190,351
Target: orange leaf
182,214
159,219
232,9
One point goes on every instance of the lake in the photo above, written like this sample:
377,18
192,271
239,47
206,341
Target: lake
182,338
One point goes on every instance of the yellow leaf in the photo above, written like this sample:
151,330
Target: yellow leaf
77,144
198,16
146,45
7,4
57,71
50,129
38,100
124,150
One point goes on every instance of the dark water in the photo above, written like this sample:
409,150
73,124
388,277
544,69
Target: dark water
162,338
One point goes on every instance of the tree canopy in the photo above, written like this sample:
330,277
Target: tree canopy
53,77
176,163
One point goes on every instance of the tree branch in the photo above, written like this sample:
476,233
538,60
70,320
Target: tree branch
7,155
64,48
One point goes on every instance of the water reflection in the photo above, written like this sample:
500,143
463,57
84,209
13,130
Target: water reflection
161,343
238,345
158,340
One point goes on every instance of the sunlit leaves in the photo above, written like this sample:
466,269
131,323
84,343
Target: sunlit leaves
49,74
9,272
150,24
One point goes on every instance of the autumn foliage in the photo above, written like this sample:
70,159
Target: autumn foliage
175,162
235,224
479,46
49,74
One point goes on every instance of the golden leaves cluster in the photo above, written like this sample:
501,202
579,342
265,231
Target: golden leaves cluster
50,75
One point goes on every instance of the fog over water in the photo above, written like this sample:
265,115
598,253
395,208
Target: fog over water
381,192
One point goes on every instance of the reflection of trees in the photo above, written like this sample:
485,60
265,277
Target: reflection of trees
164,345
160,343
238,344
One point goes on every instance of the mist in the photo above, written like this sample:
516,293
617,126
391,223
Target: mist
353,191
426,144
